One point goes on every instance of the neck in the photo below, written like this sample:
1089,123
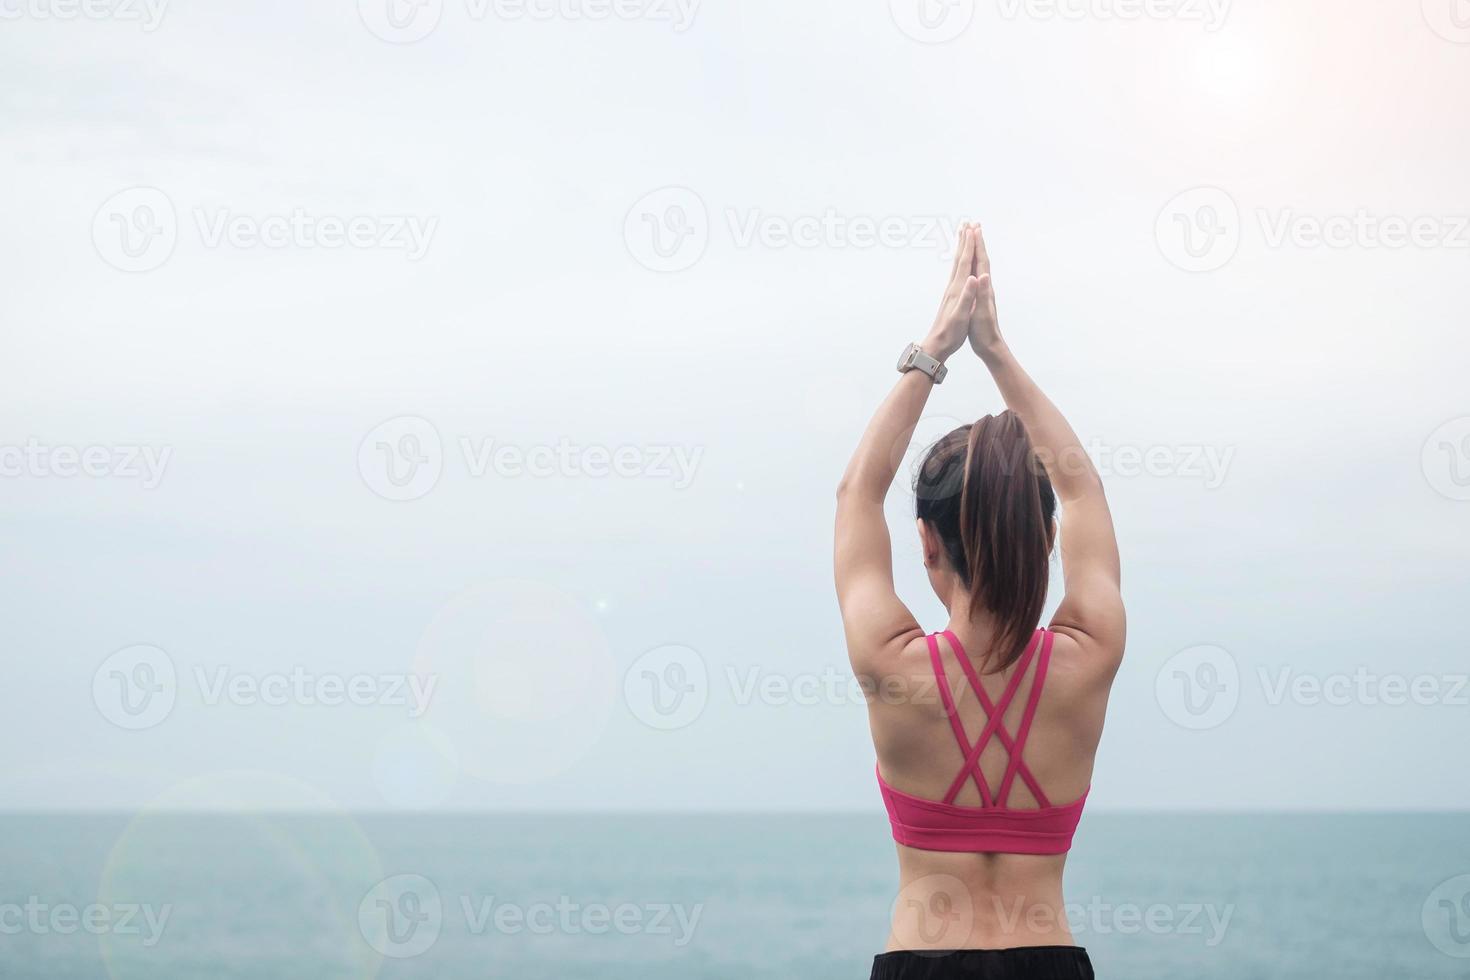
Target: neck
978,629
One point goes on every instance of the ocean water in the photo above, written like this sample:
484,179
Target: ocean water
273,897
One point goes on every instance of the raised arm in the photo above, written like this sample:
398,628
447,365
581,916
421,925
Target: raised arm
874,618
1091,612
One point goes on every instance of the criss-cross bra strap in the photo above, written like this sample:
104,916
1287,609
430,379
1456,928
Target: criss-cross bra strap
993,722
1017,764
954,721
1004,737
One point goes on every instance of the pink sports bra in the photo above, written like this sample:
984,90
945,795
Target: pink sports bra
992,827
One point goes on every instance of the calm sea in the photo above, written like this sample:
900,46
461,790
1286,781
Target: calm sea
320,897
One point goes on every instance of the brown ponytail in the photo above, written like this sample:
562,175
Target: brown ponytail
982,490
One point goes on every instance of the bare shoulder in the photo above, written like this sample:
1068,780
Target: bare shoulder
898,655
888,673
879,650
1082,664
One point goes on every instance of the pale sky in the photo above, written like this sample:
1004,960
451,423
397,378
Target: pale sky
643,277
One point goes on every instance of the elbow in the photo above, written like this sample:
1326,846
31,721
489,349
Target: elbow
851,488
1086,485
852,480
864,482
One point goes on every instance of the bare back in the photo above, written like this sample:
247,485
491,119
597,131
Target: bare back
984,900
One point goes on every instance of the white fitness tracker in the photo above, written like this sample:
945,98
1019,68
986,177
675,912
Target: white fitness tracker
914,359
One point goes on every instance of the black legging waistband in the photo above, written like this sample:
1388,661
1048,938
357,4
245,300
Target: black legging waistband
1020,963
